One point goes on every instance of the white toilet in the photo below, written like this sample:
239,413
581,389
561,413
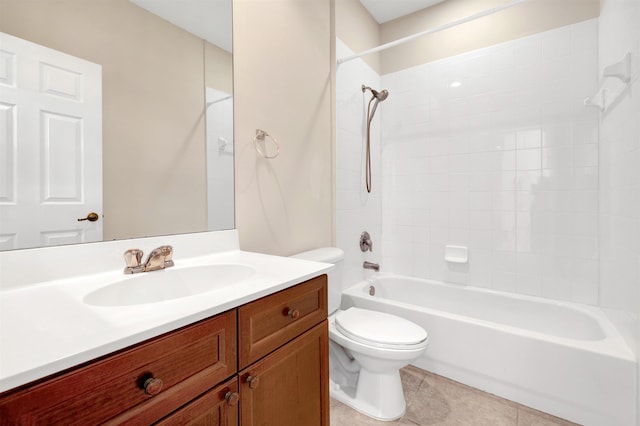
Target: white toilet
366,349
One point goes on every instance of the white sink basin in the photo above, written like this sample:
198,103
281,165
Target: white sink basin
168,284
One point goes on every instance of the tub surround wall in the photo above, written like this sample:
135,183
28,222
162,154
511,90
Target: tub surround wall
619,154
356,210
547,205
505,164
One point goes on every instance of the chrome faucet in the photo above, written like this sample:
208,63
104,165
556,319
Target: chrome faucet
159,258
371,265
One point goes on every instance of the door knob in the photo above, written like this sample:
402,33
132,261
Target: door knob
91,217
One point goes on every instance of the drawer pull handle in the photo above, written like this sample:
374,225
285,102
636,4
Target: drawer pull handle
152,386
253,381
293,313
232,398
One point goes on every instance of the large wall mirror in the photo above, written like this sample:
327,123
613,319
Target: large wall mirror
116,119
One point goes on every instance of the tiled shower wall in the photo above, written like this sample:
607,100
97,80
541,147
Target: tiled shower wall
620,174
356,210
510,164
505,164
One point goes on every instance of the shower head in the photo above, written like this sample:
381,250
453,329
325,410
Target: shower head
380,96
377,97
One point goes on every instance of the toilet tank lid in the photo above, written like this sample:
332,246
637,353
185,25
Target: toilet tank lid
324,254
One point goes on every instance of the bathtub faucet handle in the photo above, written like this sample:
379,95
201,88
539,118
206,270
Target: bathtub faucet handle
365,242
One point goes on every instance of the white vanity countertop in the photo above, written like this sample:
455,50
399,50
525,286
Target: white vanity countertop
46,327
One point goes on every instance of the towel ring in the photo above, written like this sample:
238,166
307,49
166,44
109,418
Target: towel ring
260,136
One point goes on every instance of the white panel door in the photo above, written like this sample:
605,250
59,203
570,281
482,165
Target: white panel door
50,146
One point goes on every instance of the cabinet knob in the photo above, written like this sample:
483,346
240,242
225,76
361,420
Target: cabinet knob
152,386
293,313
232,398
253,381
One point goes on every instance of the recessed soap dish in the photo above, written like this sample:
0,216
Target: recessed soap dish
456,254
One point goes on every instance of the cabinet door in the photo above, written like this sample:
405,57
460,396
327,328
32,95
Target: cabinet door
289,387
218,407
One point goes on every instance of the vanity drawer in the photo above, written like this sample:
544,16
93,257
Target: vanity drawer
188,361
272,321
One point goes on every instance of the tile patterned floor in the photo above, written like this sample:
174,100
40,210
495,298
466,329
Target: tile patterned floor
435,400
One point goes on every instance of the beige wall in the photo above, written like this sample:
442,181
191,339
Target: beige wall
519,21
218,68
153,107
282,75
357,28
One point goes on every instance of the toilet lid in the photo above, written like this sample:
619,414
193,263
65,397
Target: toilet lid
379,328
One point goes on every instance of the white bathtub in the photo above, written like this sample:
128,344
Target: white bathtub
561,358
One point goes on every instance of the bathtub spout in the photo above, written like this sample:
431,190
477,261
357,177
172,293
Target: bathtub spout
371,265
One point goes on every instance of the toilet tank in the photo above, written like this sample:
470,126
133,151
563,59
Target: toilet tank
335,256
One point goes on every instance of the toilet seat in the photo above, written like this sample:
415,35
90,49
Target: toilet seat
379,329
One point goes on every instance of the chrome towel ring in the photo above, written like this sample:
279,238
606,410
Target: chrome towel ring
259,138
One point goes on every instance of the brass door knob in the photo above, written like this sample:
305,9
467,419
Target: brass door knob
293,313
232,398
91,217
152,386
253,381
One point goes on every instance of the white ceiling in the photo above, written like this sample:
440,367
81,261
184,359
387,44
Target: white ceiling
387,10
207,19
211,19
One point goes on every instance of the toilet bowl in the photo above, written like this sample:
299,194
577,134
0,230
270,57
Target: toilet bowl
367,349
377,346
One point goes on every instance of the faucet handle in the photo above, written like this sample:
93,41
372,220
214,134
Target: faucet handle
167,251
133,259
365,242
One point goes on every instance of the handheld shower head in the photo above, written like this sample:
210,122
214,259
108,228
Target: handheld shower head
377,97
381,96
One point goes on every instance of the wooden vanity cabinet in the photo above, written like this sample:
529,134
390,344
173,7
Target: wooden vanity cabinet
283,351
140,385
264,363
